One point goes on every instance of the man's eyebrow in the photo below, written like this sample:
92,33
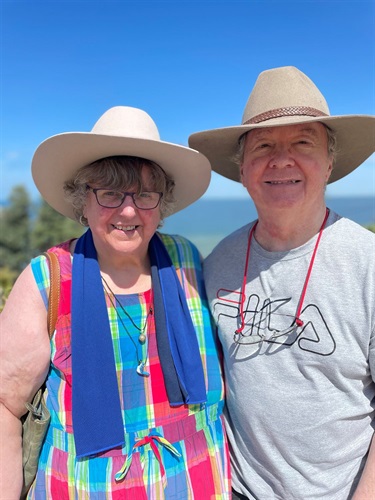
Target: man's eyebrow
264,132
260,132
309,130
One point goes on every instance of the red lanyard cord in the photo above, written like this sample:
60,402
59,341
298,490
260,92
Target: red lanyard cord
243,287
297,318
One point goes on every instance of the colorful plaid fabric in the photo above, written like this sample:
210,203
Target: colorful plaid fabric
170,452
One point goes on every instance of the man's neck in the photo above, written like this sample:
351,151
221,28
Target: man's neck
284,231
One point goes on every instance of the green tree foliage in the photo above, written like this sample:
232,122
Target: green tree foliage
7,279
51,228
27,230
15,224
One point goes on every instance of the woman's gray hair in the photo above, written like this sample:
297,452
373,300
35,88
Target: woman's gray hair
331,143
120,173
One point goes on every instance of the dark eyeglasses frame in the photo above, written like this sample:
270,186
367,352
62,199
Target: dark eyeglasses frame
124,195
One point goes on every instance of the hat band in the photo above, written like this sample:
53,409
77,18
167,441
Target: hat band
290,111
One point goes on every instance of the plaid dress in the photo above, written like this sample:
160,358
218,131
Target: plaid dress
170,452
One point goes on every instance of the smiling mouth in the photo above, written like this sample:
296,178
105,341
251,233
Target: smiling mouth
125,228
275,183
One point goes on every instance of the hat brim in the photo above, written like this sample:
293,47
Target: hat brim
58,158
355,142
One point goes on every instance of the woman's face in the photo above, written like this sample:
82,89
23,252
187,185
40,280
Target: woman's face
125,230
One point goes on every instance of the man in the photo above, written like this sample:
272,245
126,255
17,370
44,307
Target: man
293,296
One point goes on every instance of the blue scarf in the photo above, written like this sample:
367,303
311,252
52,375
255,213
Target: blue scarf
96,409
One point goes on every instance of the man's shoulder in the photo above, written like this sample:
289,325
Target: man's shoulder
351,243
229,245
353,233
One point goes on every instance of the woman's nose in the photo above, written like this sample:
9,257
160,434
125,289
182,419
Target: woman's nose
128,203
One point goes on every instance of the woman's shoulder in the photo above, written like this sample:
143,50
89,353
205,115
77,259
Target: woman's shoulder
63,249
40,266
66,247
181,250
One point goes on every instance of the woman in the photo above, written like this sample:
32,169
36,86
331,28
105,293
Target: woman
133,379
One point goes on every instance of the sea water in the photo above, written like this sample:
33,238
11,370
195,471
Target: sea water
207,221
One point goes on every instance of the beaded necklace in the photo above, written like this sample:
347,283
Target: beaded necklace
142,338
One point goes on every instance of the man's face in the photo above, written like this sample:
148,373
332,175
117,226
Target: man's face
287,167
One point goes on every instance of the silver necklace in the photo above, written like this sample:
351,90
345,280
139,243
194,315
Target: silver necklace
142,335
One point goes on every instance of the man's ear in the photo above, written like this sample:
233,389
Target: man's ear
329,170
241,175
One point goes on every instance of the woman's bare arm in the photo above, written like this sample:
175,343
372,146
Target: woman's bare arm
24,362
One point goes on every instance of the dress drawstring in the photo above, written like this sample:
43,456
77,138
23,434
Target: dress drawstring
151,440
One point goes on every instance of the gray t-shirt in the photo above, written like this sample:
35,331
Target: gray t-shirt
300,406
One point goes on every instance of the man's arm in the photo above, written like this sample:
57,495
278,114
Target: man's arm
366,486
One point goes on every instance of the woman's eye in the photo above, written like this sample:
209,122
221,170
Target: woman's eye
144,195
112,194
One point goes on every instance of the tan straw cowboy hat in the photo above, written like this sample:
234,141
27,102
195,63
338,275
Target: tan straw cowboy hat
286,96
119,131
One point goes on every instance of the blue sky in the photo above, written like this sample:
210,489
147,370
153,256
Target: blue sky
190,64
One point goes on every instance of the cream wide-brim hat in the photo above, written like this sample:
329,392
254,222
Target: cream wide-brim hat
286,96
120,131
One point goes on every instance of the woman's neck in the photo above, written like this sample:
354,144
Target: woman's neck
127,276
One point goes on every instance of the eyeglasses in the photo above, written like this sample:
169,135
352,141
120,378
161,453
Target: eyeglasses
271,333
109,198
258,332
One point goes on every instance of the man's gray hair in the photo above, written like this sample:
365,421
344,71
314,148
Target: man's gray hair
331,141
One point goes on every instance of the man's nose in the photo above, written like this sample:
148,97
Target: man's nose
281,156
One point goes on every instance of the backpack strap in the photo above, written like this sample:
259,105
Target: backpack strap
54,294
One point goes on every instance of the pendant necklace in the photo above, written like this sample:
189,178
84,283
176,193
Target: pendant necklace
142,337
297,320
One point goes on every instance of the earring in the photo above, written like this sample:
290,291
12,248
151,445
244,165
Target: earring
83,220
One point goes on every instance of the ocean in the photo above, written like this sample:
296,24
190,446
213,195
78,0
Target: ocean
207,221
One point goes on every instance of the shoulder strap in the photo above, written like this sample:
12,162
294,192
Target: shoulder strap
54,294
